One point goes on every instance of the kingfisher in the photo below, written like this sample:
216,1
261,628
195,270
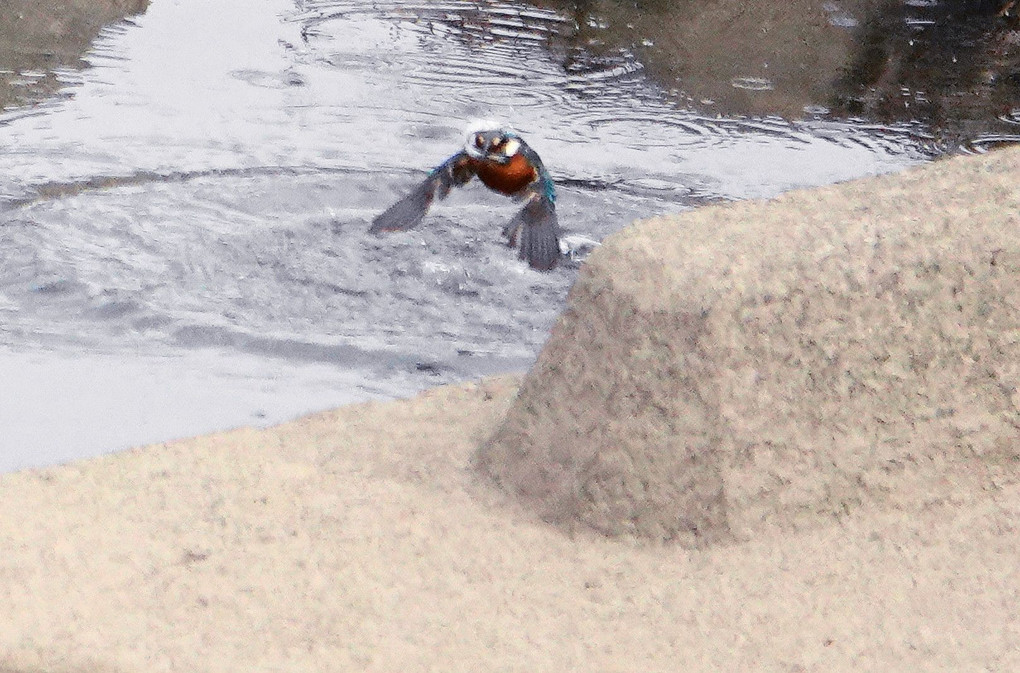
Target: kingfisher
505,164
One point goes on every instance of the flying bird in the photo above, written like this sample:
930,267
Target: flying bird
505,164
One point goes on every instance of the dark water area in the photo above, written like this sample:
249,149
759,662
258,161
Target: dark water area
183,220
955,67
950,69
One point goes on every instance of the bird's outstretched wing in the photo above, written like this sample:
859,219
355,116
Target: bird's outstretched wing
536,230
408,211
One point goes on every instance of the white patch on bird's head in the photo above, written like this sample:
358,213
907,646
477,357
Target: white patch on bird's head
510,147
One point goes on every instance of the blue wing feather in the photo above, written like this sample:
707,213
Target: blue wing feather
544,182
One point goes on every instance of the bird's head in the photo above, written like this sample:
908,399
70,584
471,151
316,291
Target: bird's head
492,142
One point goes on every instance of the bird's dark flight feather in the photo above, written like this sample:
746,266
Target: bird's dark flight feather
409,211
535,229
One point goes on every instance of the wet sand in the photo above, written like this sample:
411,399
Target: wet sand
360,539
60,407
39,37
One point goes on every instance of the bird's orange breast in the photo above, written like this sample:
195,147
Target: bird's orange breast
508,178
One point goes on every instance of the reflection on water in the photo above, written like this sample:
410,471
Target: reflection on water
956,66
207,185
731,57
950,67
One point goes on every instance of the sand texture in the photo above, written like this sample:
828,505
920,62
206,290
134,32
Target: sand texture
781,363
695,391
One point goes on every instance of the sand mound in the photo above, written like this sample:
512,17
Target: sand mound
781,363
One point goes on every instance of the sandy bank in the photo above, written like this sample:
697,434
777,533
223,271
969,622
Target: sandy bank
360,539
782,363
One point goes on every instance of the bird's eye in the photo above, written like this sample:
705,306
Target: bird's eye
479,140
